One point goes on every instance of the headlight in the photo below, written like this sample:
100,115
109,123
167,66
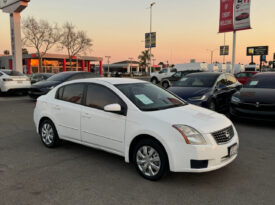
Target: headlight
191,135
198,98
235,100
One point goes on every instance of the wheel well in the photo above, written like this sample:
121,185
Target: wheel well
140,138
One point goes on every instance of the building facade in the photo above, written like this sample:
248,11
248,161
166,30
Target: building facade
54,63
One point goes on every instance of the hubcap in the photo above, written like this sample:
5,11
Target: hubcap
47,134
148,161
212,106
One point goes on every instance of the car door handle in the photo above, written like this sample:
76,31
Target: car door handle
57,107
86,115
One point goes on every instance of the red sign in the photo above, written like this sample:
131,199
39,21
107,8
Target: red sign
226,16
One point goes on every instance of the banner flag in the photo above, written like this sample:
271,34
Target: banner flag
226,16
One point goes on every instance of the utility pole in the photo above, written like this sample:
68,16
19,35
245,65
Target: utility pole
108,58
212,53
234,52
150,49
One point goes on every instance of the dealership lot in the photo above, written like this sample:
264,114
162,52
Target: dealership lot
73,174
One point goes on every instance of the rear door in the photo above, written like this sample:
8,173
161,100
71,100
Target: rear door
67,110
101,128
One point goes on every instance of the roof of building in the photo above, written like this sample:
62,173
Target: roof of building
59,56
127,62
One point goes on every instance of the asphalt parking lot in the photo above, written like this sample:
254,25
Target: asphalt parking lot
74,174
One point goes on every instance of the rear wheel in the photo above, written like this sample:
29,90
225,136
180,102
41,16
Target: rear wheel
165,85
150,160
48,134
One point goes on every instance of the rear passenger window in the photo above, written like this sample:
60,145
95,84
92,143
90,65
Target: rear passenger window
73,93
99,96
59,93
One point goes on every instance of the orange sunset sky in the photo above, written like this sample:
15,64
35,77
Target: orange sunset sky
185,28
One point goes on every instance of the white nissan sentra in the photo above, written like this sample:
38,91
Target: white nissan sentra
145,124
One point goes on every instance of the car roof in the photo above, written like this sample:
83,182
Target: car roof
113,81
266,74
205,74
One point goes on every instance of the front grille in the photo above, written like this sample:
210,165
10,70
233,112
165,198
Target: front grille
224,136
257,107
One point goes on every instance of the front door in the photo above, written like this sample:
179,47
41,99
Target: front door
101,128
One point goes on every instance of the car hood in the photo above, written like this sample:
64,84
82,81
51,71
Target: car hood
44,84
203,120
253,95
189,92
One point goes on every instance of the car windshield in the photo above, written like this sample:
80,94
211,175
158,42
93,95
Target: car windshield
12,73
148,97
197,81
61,77
261,82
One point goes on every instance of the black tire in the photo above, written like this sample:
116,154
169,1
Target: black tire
158,148
53,140
154,80
212,105
165,84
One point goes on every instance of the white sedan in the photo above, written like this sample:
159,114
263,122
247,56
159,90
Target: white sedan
11,80
145,124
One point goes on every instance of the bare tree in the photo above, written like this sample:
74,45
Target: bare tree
40,35
74,41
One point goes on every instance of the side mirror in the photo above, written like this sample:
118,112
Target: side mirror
112,108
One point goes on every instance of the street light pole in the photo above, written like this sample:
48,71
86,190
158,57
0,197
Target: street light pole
150,49
108,57
212,53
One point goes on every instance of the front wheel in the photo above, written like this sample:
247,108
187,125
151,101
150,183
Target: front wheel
48,134
154,81
212,105
150,160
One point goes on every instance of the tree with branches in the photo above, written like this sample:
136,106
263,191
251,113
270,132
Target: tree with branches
40,35
73,41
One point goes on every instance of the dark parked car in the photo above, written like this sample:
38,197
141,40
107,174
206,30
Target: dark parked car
37,77
257,99
168,82
43,87
209,90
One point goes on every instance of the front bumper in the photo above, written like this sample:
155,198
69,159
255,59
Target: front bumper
35,93
217,156
252,114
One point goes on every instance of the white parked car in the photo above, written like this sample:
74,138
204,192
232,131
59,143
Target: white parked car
139,121
11,80
156,77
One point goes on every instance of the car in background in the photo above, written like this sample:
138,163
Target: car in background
37,77
43,87
11,80
143,123
207,89
168,82
256,100
243,77
242,16
156,77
